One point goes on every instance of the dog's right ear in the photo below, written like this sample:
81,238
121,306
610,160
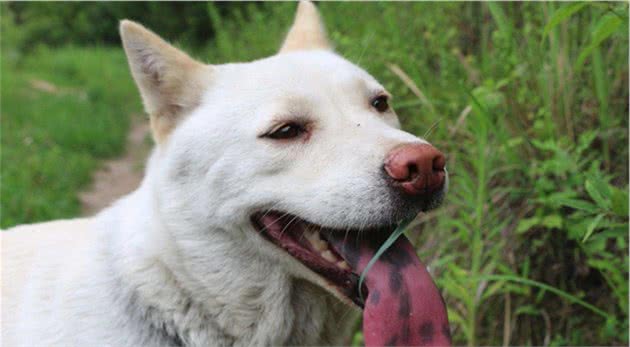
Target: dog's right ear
307,32
171,83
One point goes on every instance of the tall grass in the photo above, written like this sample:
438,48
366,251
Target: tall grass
530,103
528,100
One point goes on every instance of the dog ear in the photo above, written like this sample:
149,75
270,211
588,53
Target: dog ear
170,82
307,31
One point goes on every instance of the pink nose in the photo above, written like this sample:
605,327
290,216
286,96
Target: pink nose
417,168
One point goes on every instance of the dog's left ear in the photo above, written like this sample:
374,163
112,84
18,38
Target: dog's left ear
171,83
307,31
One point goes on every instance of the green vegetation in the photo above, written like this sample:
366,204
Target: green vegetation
62,110
528,100
530,103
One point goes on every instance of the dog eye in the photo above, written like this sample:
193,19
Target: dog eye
286,131
380,103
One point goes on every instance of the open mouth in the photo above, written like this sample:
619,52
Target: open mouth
401,304
309,244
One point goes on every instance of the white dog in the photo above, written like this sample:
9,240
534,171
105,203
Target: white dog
271,186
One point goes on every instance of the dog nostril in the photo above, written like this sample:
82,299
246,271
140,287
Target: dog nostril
412,170
417,168
439,162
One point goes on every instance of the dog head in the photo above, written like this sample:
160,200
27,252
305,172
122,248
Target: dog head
291,154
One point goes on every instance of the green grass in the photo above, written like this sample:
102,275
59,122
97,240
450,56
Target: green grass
528,128
528,100
53,136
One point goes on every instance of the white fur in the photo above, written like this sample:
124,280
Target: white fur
178,261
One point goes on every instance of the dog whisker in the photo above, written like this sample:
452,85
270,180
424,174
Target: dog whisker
345,237
365,46
288,224
431,128
276,220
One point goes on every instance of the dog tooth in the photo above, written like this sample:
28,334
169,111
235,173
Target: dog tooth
316,242
321,245
329,256
310,236
343,265
316,235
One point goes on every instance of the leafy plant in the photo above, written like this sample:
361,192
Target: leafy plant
529,101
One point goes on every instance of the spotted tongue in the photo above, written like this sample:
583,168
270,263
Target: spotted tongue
403,306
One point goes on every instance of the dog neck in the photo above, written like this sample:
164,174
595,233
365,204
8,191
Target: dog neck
216,293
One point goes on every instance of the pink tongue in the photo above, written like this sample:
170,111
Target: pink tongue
403,306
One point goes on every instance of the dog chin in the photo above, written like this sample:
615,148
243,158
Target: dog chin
403,208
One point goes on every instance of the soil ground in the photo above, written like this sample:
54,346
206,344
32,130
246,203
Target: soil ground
119,176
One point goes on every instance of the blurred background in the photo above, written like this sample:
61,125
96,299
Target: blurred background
528,100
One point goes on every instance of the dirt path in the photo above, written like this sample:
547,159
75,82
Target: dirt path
119,176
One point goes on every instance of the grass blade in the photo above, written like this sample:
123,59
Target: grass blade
591,227
561,15
554,290
605,27
388,243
